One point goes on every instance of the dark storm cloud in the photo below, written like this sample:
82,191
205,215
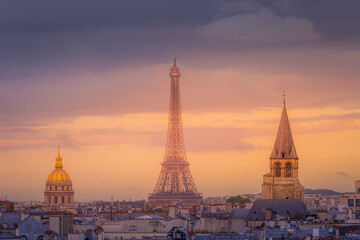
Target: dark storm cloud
333,19
52,16
56,35
49,50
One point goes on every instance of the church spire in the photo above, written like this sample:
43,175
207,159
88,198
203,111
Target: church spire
284,146
58,164
284,97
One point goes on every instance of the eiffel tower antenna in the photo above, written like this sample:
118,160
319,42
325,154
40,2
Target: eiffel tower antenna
174,56
175,184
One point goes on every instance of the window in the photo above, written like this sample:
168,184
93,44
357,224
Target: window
62,188
69,199
288,170
49,199
358,202
56,201
358,190
62,199
277,170
132,227
56,188
351,202
283,155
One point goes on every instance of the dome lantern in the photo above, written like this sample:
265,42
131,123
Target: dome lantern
58,164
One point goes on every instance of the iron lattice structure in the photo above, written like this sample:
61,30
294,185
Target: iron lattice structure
175,183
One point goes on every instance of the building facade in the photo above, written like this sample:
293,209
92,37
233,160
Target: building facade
282,181
352,200
59,191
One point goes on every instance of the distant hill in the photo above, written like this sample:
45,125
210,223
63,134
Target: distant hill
321,191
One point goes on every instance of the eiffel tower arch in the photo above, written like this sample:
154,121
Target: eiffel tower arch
175,184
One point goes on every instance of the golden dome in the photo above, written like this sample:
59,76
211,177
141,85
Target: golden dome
59,176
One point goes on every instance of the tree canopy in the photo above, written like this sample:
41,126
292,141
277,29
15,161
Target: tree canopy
237,199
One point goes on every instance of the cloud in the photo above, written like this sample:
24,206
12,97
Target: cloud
65,140
336,21
204,131
230,8
104,60
344,174
262,28
37,39
217,140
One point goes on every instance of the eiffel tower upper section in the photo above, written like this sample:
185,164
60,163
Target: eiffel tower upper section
175,147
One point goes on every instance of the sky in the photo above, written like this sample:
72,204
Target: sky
94,77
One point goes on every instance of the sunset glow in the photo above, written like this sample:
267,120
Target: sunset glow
102,93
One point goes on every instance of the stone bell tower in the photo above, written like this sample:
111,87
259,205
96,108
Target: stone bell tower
282,181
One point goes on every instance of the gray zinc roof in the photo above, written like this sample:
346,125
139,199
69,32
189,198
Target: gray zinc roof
10,218
239,212
30,225
280,207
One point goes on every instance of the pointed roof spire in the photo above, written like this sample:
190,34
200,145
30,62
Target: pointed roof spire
58,164
284,97
284,146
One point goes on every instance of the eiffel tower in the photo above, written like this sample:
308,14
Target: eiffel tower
175,184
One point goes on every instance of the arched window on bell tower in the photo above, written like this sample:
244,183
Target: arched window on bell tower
288,170
277,169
